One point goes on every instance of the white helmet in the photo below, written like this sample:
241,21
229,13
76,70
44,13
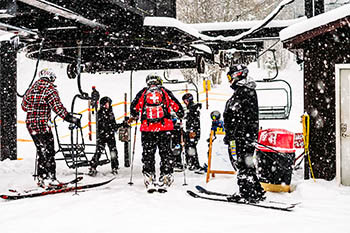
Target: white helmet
153,79
47,73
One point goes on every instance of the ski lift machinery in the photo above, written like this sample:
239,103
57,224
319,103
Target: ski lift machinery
278,111
75,153
175,81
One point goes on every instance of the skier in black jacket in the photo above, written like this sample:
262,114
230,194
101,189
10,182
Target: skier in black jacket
193,131
241,123
106,127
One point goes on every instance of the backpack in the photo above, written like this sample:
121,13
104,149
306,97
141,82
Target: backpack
154,108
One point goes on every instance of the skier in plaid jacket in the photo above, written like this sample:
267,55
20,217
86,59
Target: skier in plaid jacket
38,102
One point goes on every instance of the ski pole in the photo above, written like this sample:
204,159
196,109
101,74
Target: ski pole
183,152
133,155
36,167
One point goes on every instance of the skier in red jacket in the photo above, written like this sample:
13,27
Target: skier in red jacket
38,102
154,104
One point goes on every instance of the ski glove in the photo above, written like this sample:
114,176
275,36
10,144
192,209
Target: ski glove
132,119
192,134
71,119
180,114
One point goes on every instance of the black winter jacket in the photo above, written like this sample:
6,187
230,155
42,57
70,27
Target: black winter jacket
193,119
241,115
106,124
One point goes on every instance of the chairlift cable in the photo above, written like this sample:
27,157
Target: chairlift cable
36,68
268,49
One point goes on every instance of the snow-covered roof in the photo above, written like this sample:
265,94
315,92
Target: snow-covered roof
221,26
195,29
172,22
315,22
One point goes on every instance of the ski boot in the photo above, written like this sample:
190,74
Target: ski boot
50,183
165,182
236,198
199,170
196,168
178,167
149,180
250,199
115,171
92,172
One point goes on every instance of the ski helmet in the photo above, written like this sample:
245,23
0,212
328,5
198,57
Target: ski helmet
188,97
153,79
237,72
47,73
215,115
105,100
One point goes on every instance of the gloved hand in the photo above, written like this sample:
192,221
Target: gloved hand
180,114
192,134
132,119
72,119
72,126
125,124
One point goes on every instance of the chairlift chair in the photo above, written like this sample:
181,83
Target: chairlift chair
275,112
76,153
278,111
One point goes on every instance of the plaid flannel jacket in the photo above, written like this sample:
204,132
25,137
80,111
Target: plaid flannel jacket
38,102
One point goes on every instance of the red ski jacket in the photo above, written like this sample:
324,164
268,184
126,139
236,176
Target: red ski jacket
38,102
171,103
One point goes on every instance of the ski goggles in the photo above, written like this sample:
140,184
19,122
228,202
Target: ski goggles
234,75
155,80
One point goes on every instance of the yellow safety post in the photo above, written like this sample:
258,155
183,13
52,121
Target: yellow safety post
306,133
206,87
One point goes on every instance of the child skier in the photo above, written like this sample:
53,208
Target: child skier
192,133
106,127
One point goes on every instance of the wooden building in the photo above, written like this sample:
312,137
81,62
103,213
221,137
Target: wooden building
323,42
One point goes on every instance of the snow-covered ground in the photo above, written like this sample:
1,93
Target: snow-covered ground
119,207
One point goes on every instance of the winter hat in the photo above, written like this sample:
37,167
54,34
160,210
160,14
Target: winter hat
105,100
48,74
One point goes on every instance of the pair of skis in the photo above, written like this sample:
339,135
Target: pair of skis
226,198
29,194
61,185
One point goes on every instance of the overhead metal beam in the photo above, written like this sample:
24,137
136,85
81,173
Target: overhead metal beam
8,26
63,12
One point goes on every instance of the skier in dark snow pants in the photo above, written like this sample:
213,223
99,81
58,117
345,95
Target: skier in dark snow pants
154,103
241,123
106,128
193,132
38,102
